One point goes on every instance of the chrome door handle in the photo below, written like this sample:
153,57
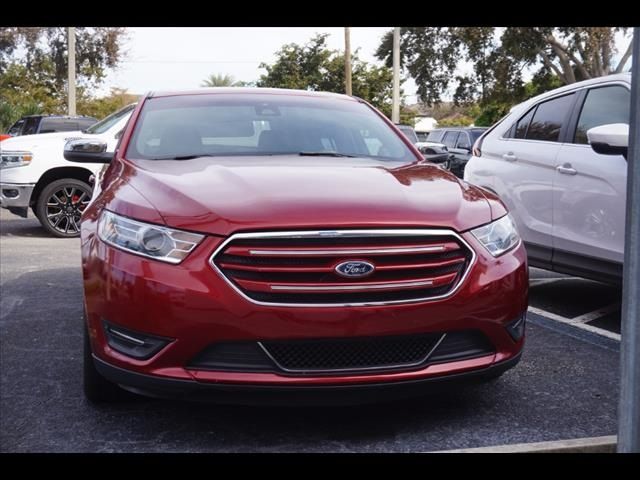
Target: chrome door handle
509,157
566,169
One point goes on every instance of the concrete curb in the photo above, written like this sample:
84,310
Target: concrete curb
605,444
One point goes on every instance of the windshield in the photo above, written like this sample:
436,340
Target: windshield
246,124
108,122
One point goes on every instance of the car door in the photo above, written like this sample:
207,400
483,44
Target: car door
590,188
524,178
461,152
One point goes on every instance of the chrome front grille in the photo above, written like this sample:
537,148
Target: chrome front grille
299,268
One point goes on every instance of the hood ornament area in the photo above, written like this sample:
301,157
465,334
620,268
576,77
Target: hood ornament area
354,269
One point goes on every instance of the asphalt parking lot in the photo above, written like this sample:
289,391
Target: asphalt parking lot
565,386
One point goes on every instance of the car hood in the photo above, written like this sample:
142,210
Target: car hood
225,195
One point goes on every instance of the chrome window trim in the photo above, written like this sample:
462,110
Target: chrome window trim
354,370
344,234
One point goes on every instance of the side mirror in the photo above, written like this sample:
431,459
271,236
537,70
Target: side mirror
611,139
83,150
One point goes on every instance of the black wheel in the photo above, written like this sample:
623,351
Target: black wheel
98,389
60,205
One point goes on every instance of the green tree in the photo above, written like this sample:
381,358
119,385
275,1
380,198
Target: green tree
220,80
314,66
499,57
33,67
43,51
101,107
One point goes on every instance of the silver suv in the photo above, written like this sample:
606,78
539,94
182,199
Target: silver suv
567,200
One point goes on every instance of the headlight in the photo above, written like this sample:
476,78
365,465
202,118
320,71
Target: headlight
15,159
498,236
145,239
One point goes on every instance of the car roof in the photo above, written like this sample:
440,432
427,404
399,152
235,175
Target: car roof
620,77
458,128
70,117
251,90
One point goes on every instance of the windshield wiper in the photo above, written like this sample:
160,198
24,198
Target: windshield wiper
179,157
324,154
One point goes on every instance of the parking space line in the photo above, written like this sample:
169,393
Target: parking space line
601,312
605,444
571,322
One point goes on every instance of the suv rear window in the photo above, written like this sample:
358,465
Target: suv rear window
49,125
450,138
259,124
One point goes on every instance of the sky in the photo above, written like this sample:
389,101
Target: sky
181,58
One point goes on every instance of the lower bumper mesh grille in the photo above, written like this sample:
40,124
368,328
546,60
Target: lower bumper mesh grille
351,354
354,355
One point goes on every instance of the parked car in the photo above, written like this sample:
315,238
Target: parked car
432,151
567,200
34,173
265,241
459,141
34,124
435,152
422,136
409,132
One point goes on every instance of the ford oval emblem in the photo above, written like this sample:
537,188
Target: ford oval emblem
354,268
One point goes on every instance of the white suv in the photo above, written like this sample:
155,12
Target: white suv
34,173
567,200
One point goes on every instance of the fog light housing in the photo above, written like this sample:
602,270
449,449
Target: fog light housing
516,328
10,193
140,346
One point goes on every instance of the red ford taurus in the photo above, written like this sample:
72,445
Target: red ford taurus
249,244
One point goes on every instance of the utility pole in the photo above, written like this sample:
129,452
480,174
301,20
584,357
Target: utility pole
395,108
347,60
629,409
71,56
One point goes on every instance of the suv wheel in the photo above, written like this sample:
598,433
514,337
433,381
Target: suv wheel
60,205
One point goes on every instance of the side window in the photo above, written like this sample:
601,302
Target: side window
463,141
450,138
31,126
523,124
602,106
548,119
16,128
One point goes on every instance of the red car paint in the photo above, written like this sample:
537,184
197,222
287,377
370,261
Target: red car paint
193,305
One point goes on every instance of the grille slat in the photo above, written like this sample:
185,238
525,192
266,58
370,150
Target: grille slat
299,269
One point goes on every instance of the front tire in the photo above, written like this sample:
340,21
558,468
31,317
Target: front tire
60,205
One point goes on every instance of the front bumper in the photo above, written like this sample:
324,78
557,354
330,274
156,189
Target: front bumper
192,390
192,305
15,195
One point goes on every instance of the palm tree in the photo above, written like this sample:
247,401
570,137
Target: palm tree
215,80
